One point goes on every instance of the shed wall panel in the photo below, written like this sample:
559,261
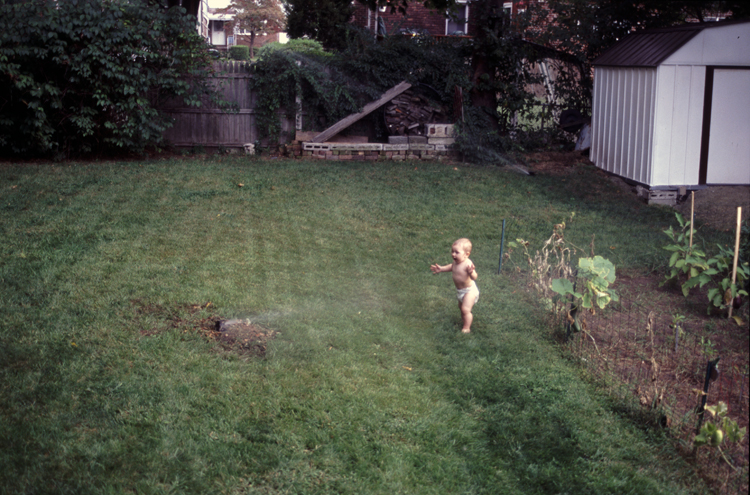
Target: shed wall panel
679,118
720,45
622,113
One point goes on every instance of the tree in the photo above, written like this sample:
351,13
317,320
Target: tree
85,76
322,20
586,28
257,17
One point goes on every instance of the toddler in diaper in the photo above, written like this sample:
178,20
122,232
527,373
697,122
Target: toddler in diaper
464,276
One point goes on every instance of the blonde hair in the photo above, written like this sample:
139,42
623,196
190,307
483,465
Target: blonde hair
464,244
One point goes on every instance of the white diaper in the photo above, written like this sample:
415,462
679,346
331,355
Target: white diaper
461,293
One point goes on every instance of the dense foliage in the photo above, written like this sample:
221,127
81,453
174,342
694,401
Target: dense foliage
332,85
82,76
321,20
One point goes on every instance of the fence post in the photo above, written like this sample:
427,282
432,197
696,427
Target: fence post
502,244
572,312
712,373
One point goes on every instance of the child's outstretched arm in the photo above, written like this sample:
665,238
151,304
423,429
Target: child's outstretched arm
440,269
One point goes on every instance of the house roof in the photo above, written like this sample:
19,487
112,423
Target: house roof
650,47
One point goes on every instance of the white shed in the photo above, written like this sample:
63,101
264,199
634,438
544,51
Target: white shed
671,107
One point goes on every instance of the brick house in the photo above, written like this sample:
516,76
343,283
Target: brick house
215,26
422,20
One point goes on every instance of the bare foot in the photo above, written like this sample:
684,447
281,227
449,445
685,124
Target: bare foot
465,330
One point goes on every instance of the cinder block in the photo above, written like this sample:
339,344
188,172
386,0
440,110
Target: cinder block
439,130
316,146
396,147
398,139
446,141
417,140
421,147
356,147
662,198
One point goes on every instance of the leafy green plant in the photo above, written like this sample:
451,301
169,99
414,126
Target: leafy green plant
726,292
598,274
87,76
723,430
686,259
696,269
707,347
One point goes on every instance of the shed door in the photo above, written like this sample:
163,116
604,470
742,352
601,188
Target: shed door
729,141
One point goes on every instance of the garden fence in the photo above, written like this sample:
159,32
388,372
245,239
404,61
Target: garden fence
664,366
639,351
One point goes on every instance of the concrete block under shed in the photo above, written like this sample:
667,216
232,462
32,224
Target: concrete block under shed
398,139
657,197
417,140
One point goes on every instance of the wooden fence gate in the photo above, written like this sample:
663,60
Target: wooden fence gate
209,126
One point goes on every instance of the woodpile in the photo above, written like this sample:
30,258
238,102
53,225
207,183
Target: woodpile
407,114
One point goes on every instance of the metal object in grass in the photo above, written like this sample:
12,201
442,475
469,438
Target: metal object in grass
712,373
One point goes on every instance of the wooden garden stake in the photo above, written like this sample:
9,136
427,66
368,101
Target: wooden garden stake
692,215
736,253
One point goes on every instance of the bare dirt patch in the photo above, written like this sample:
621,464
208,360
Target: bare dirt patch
716,206
233,335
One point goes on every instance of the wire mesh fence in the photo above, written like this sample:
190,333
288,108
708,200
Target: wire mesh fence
665,367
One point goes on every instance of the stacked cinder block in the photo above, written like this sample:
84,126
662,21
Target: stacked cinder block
435,146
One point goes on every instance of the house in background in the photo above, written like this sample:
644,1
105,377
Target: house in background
671,107
214,24
422,20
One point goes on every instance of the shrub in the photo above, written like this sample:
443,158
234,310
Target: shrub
309,47
81,77
239,52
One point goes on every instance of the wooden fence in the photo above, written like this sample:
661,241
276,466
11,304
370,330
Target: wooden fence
209,126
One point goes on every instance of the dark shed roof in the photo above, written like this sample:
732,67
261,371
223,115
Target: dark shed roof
650,47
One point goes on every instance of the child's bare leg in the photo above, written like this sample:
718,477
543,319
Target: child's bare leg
466,306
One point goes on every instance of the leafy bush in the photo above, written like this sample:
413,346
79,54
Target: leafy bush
80,77
305,46
239,52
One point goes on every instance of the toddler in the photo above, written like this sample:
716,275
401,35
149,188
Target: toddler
464,275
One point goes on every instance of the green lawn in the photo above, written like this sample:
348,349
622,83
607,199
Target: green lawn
108,386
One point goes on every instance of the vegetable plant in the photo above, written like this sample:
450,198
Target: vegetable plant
716,434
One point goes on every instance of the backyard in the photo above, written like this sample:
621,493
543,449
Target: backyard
349,373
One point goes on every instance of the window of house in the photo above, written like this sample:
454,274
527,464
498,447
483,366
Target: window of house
457,23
